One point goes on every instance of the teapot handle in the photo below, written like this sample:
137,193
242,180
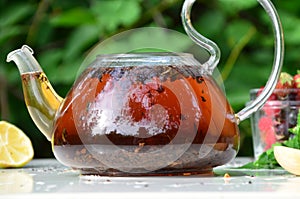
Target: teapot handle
214,51
210,46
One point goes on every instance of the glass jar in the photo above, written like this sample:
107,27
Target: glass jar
272,123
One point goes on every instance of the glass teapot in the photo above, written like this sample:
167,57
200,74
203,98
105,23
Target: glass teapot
142,114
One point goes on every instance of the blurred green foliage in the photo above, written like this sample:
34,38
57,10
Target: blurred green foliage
62,32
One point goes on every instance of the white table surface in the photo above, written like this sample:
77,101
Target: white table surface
47,178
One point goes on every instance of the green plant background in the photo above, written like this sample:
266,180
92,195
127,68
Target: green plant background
62,32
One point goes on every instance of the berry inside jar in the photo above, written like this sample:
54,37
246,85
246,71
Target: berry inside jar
279,114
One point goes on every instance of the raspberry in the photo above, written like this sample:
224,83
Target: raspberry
271,111
286,82
272,96
265,125
297,80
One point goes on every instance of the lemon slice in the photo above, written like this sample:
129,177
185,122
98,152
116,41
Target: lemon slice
15,147
288,158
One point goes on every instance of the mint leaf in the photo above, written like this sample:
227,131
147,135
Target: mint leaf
296,129
267,159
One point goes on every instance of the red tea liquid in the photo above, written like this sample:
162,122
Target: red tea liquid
132,121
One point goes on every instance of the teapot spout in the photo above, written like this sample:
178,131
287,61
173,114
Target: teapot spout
40,98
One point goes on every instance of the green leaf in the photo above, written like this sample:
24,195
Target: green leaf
67,72
51,63
237,30
15,13
210,22
81,37
10,31
233,6
111,14
295,143
73,17
42,35
51,59
267,159
291,30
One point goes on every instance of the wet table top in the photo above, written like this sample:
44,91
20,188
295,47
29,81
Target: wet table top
47,178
